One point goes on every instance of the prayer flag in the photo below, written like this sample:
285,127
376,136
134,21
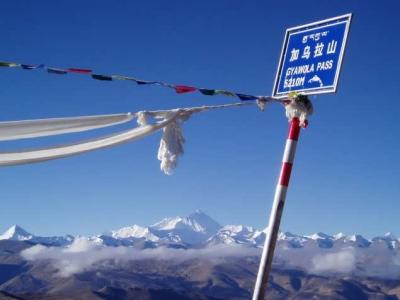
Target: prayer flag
8,64
184,89
101,77
180,89
31,67
79,71
207,92
145,82
121,77
244,97
56,71
225,93
166,84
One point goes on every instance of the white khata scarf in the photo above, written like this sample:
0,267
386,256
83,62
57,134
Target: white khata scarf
171,144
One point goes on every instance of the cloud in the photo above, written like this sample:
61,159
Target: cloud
343,261
83,255
396,260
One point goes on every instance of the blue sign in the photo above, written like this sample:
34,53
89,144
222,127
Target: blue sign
311,57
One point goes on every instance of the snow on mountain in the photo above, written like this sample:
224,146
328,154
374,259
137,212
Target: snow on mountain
292,240
198,229
323,240
358,240
339,236
106,240
235,234
16,233
389,235
54,240
177,232
319,236
388,239
193,229
168,223
318,253
197,222
134,231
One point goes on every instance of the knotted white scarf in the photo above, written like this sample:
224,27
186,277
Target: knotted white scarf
171,144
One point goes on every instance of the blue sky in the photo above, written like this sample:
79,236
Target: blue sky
346,174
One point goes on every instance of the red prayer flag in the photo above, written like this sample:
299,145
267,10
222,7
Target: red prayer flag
184,89
80,71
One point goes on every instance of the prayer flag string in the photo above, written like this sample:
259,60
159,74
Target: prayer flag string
179,89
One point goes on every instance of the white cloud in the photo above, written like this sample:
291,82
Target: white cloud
336,262
82,255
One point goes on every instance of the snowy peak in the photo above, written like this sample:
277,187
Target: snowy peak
286,236
197,222
203,222
193,229
339,236
359,240
237,234
16,233
319,236
389,239
167,223
292,240
323,240
134,231
238,229
179,231
389,236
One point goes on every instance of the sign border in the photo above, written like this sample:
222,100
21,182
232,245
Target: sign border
309,26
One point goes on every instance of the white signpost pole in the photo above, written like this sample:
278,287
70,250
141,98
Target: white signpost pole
276,211
310,64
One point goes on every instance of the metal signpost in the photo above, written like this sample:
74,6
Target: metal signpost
309,64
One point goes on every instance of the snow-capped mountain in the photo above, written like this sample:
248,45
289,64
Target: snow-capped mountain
323,240
293,240
193,229
388,239
358,240
17,233
134,231
316,253
237,234
184,232
200,230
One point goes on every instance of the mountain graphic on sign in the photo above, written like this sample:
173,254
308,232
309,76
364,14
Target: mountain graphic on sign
315,78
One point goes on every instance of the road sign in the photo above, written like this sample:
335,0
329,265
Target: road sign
311,57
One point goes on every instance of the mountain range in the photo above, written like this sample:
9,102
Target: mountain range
200,230
194,257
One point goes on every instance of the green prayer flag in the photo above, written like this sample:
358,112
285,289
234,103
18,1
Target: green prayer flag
101,77
225,93
8,64
207,92
121,77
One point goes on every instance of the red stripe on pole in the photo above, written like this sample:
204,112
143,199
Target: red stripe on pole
285,174
294,129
